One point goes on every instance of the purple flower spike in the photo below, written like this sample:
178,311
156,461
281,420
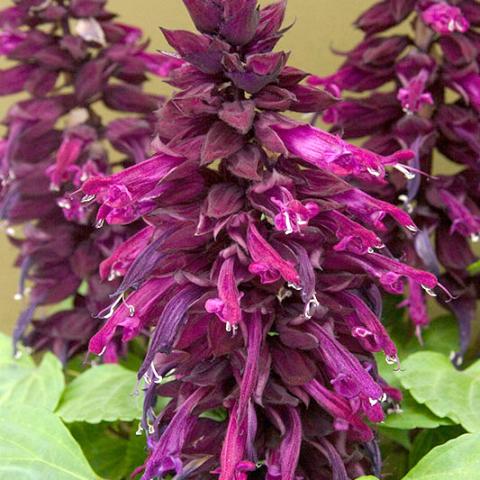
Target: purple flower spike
417,112
71,59
258,267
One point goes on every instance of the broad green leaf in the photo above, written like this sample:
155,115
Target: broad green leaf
474,268
113,450
21,381
42,386
103,393
36,445
458,459
105,450
367,477
6,353
414,415
432,380
428,439
395,435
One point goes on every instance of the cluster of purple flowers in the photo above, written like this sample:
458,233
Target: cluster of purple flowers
422,91
258,268
73,60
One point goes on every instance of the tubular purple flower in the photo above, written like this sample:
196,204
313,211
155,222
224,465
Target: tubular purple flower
43,166
256,271
438,56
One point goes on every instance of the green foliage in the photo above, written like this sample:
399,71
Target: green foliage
113,450
102,393
428,439
432,380
414,415
36,444
457,459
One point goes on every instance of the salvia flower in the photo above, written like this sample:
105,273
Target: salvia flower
70,59
419,112
259,267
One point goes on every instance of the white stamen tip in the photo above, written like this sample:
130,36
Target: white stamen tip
412,228
404,170
373,172
429,291
158,378
100,223
87,198
311,306
104,349
391,360
475,237
139,430
18,296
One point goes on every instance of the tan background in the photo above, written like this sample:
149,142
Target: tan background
319,25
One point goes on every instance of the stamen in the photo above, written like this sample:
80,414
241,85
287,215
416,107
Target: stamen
64,203
456,359
391,360
404,170
100,223
147,379
87,198
475,237
139,429
158,378
283,293
288,223
104,349
295,287
18,296
373,172
113,275
18,355
310,307
111,309
370,250
151,429
412,228
372,401
429,291
228,327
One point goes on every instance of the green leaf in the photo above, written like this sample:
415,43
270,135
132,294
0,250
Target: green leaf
113,450
395,435
103,393
21,381
414,415
104,449
428,439
36,445
457,459
474,268
40,386
432,380
367,477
